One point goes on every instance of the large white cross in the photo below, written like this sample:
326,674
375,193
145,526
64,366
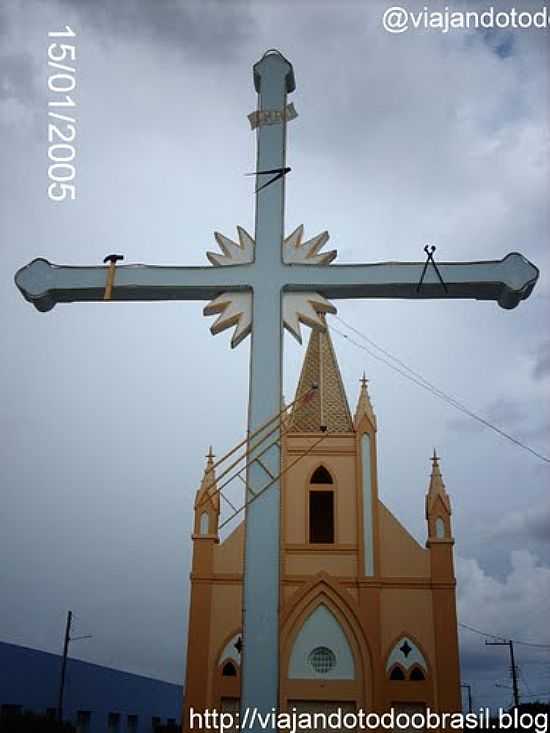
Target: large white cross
257,285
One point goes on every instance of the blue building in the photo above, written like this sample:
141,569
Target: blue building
97,699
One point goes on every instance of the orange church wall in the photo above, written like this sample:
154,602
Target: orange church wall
441,559
288,590
401,555
226,612
354,592
225,622
405,612
335,443
311,564
228,555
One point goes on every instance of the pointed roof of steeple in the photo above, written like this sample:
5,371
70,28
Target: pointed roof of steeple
208,493
364,405
437,486
328,406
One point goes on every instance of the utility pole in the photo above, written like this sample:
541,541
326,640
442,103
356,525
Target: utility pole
514,674
510,645
64,665
469,688
68,639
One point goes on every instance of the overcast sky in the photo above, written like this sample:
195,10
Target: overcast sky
108,410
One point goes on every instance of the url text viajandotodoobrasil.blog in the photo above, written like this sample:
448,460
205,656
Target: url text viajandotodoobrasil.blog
339,719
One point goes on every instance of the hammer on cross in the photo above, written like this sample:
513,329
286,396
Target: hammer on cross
112,260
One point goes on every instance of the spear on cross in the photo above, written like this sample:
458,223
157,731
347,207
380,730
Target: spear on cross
259,285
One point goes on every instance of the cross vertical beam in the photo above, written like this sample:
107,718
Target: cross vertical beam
273,79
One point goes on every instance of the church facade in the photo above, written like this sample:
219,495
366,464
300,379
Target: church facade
367,616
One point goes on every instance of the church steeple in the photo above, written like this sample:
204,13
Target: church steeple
438,505
364,407
328,409
207,502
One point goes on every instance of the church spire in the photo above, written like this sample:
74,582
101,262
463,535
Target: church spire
328,409
208,491
438,504
364,405
437,487
207,500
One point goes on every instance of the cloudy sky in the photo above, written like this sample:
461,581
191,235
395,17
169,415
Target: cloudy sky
107,411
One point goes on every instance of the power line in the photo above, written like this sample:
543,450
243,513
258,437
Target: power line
502,638
538,661
421,381
524,678
481,633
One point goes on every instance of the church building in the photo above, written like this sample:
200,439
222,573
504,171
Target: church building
367,616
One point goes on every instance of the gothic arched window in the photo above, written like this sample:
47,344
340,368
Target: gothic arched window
321,517
321,508
204,522
397,674
321,649
439,528
321,476
407,660
228,670
417,674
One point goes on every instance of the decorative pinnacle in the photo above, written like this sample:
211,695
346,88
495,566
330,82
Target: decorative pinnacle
208,469
436,471
208,483
364,405
437,485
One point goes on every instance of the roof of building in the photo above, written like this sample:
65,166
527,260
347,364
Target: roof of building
328,408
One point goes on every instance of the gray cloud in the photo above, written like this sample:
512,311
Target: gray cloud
541,369
17,77
533,522
212,30
17,68
504,413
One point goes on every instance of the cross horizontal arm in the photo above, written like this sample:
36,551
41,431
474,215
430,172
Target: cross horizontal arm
508,281
44,284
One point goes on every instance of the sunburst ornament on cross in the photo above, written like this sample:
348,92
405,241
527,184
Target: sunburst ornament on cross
235,308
